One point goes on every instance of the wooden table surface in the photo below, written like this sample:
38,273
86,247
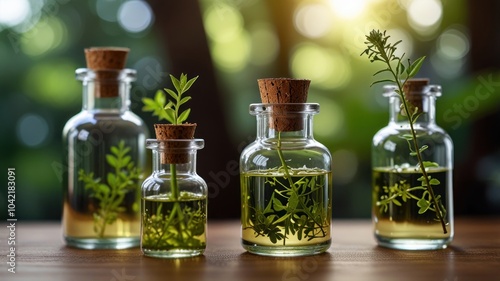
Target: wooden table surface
473,255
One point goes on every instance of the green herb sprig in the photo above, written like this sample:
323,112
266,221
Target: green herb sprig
176,228
171,111
379,49
111,193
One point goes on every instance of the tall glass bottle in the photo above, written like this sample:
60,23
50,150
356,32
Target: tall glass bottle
174,201
105,157
404,211
286,184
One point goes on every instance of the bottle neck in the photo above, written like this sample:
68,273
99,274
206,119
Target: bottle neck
284,121
106,90
174,154
424,103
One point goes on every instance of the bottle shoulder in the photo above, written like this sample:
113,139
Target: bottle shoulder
107,121
401,129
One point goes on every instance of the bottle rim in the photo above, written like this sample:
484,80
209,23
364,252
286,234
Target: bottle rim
283,108
175,144
119,75
428,90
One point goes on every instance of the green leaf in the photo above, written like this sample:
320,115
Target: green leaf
277,205
112,161
423,147
184,115
429,164
103,189
125,161
184,100
415,67
176,83
396,202
112,180
382,81
190,83
407,137
382,71
293,201
160,98
423,204
170,115
174,95
434,182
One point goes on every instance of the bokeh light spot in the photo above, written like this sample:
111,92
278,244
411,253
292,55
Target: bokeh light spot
53,83
232,55
223,23
329,122
32,130
13,12
452,44
264,44
425,15
313,20
47,34
107,10
135,16
406,46
325,67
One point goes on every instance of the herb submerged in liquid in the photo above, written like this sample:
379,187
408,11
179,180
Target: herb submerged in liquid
297,210
112,193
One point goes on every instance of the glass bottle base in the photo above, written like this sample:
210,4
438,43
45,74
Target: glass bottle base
173,254
102,243
412,243
286,251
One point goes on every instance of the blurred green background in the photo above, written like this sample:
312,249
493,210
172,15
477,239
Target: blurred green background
230,44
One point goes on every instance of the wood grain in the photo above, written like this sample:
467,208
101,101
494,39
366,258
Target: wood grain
473,255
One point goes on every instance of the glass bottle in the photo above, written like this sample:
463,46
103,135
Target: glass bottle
404,213
105,157
286,184
174,201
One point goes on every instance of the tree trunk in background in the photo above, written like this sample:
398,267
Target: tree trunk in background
180,25
281,12
484,26
470,188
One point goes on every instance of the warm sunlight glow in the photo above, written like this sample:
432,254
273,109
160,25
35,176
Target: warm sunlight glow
313,20
425,15
348,9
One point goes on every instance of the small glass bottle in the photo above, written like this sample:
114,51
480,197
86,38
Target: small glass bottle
286,184
174,201
403,209
105,157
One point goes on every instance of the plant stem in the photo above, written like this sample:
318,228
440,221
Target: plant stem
417,149
176,194
292,185
422,167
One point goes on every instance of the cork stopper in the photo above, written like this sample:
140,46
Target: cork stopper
107,63
282,93
173,151
413,89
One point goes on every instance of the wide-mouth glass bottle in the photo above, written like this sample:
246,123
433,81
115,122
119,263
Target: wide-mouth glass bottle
286,184
405,214
104,158
174,201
